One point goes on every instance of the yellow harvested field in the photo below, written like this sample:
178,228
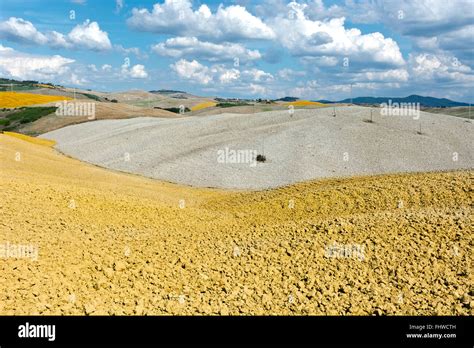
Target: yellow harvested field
45,86
15,99
204,105
105,242
34,140
305,103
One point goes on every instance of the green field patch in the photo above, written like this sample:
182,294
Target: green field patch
25,115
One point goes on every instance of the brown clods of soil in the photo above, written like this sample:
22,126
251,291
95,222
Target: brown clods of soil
112,243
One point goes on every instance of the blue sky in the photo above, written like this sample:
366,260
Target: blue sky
313,49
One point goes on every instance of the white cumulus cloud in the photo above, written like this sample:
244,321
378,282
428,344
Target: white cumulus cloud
305,37
246,80
191,47
445,68
26,66
17,29
87,35
178,17
137,71
106,67
193,71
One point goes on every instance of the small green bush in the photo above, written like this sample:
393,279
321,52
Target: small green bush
4,122
175,110
91,96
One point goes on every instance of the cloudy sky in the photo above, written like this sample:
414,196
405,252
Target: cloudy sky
313,49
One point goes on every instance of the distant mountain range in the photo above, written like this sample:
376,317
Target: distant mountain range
424,101
288,99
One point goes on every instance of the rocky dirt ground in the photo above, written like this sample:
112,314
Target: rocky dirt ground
113,243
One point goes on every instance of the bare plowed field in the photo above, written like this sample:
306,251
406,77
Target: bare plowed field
113,243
